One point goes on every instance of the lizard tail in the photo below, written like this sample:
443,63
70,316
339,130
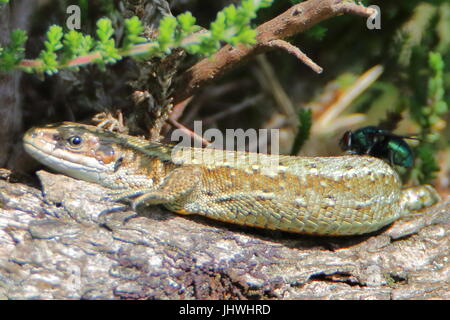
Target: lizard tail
419,197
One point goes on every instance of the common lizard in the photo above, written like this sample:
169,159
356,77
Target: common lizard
345,195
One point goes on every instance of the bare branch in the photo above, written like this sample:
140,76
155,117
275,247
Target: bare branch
359,10
295,20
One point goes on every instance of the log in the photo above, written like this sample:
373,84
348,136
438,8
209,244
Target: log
69,242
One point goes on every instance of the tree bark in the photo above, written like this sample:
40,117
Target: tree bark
12,16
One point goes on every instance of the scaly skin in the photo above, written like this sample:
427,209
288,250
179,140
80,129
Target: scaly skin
344,195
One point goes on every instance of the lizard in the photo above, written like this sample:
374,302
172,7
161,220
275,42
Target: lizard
326,196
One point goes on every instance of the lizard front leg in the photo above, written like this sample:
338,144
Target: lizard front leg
173,189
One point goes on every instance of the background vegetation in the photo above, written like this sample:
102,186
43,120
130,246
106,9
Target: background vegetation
407,63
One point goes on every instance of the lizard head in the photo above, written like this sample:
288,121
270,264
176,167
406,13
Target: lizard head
81,151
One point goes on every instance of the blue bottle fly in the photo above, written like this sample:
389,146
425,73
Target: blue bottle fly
378,143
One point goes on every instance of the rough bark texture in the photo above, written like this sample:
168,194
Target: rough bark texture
12,16
61,243
9,106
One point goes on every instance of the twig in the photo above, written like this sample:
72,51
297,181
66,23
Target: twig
290,48
188,132
178,109
359,10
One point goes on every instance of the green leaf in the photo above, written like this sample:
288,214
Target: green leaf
72,44
104,29
218,26
247,36
76,45
230,14
53,44
166,35
133,28
86,45
54,36
187,23
106,46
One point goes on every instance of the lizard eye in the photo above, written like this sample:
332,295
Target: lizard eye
75,140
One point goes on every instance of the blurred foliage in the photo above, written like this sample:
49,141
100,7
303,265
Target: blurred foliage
14,52
430,118
413,46
423,65
305,123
